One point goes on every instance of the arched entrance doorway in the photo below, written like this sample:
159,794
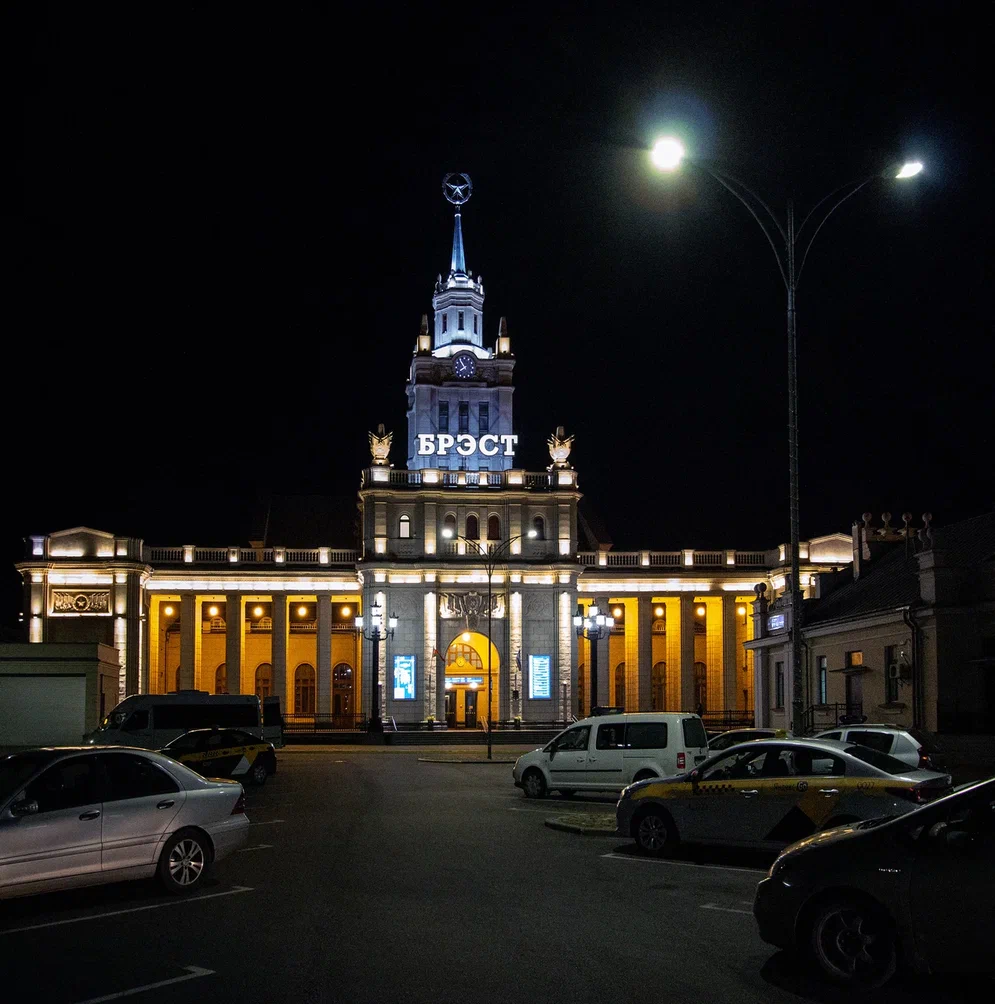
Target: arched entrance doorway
466,680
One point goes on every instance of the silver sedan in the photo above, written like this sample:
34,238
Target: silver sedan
80,816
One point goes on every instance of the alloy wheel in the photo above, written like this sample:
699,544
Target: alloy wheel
186,862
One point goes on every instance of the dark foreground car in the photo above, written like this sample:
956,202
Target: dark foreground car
916,890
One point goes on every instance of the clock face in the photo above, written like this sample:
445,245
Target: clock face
465,365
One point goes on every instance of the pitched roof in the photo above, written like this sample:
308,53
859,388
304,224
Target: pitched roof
892,579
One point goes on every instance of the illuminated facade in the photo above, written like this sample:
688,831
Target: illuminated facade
277,617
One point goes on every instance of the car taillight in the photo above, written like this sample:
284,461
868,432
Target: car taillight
918,794
239,807
924,762
680,761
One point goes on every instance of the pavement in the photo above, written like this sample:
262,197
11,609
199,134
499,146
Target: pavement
369,877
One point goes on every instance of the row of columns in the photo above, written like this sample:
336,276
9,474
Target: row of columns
726,657
190,643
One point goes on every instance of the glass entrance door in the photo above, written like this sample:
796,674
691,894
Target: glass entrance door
451,709
470,708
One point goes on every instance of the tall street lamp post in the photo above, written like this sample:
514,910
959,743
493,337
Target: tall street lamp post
376,633
491,557
593,626
791,244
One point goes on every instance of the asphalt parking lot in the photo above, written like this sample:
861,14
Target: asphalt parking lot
379,876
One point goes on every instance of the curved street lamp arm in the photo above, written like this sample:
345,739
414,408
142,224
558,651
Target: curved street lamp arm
736,187
848,191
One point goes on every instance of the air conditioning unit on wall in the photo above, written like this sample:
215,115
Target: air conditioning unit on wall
899,671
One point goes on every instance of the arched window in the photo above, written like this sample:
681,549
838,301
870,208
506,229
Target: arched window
539,525
700,686
472,527
342,689
658,687
404,527
493,527
304,689
620,685
264,680
449,526
221,679
581,689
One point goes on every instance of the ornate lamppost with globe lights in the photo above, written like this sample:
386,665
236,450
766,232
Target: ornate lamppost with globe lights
791,244
594,625
376,632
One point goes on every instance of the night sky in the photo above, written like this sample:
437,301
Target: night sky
231,223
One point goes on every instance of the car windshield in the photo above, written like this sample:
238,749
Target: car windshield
877,759
17,768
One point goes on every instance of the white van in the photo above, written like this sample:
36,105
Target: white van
152,720
608,752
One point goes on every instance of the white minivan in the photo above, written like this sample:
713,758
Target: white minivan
608,752
152,720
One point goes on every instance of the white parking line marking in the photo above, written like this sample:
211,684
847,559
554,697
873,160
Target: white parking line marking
267,822
234,891
255,847
724,909
193,973
683,864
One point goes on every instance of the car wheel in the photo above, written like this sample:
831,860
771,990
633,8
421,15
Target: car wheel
853,942
644,775
534,784
654,832
184,862
258,773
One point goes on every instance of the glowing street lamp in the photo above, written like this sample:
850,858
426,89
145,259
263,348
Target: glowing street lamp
594,625
376,633
667,153
791,244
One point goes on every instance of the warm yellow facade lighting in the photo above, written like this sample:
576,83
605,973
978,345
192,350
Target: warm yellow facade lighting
257,611
213,611
659,611
168,611
700,611
302,611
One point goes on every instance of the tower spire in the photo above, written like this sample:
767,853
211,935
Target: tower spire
458,263
457,188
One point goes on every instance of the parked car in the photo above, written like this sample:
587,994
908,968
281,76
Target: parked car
608,752
224,753
83,815
916,888
733,737
769,793
916,747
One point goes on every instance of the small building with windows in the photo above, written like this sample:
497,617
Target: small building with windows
904,634
484,565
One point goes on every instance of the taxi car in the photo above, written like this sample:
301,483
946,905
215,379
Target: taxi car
768,793
224,753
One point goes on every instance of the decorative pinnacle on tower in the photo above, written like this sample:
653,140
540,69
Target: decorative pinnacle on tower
457,188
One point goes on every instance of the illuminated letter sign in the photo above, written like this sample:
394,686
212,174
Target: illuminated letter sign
539,678
404,677
431,445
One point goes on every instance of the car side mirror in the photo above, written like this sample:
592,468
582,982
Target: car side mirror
19,809
959,839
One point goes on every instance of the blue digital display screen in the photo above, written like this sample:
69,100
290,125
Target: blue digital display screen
540,677
404,677
775,622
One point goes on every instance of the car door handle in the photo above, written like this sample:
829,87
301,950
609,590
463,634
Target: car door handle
593,759
165,804
580,759
750,792
92,814
829,792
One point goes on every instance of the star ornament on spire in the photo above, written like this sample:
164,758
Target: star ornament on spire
457,188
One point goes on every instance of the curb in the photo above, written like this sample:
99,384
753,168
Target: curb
561,823
432,759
